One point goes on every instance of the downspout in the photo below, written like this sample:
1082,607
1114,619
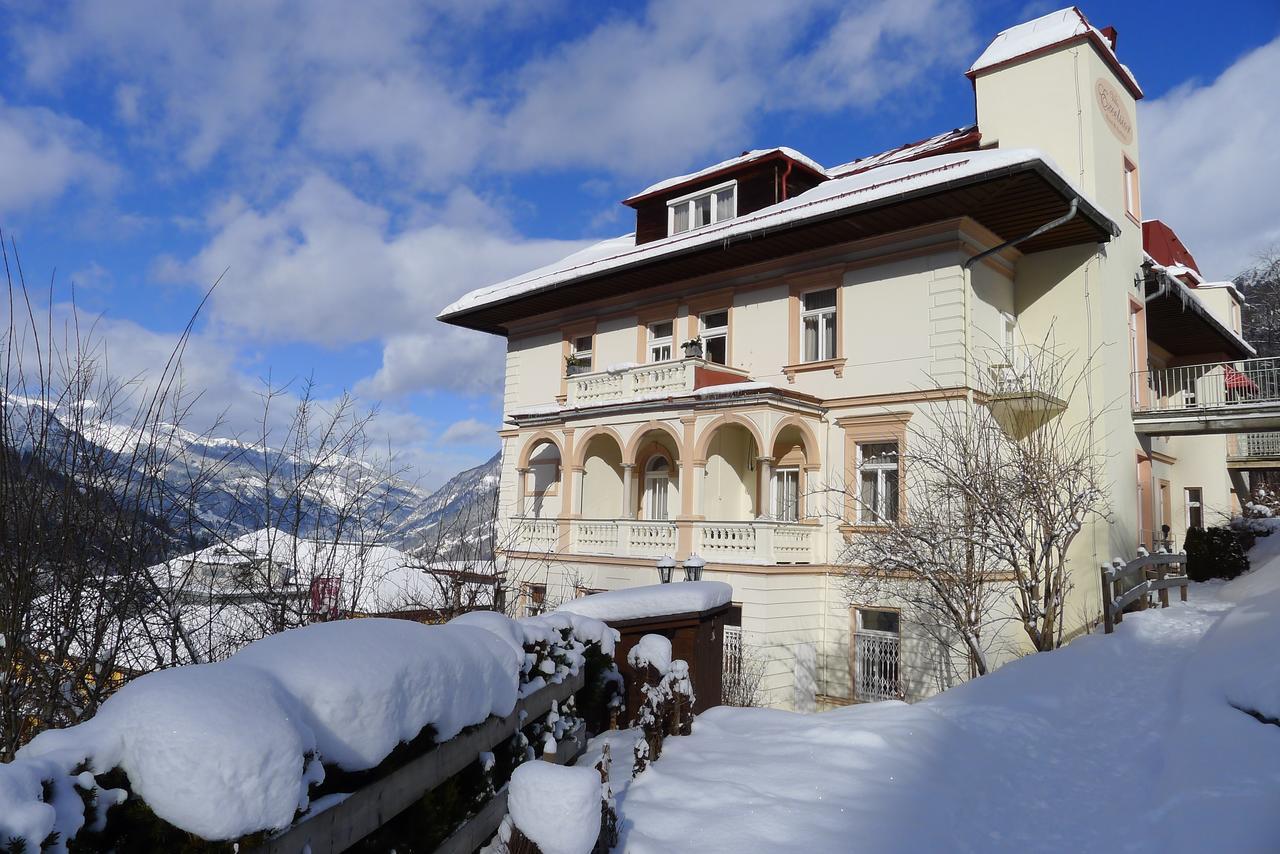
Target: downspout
1048,226
785,173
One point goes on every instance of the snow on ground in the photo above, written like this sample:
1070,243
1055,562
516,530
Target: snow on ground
556,806
1127,742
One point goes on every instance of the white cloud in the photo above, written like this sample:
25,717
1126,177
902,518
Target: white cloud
1211,162
44,155
326,267
468,431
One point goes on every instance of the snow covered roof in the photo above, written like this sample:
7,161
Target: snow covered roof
937,144
1189,300
1051,30
652,600
724,165
837,196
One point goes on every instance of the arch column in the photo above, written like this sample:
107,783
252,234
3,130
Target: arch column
766,486
575,505
522,475
628,491
697,487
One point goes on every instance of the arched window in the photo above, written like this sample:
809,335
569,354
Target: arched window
657,483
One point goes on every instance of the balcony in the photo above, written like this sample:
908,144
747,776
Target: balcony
648,382
760,543
1240,396
1020,400
1254,451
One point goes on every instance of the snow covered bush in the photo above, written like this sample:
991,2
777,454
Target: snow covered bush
237,749
557,808
667,707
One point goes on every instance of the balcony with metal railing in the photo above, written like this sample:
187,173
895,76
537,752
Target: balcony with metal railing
1240,396
1254,451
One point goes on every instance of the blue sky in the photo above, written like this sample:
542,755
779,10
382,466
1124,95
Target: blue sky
355,167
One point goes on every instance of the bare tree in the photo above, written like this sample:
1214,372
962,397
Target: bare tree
1260,287
999,486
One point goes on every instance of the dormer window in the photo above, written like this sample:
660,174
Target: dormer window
703,208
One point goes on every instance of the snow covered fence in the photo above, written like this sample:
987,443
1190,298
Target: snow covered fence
1123,584
240,750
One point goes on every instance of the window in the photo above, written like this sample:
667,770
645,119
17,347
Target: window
877,482
580,355
715,336
818,325
1195,507
877,639
786,494
1010,337
657,481
703,208
1132,203
1135,355
535,599
660,341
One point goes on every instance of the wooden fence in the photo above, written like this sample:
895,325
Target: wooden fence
344,824
1127,584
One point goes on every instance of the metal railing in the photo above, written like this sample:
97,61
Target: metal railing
1214,385
1247,445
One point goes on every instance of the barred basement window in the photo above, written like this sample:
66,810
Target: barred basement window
877,644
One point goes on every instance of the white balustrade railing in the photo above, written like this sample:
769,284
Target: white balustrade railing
1214,385
757,542
538,535
639,381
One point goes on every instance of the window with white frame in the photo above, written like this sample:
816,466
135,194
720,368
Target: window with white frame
876,650
877,482
657,484
715,336
660,340
786,494
1195,507
703,208
581,351
818,325
1132,199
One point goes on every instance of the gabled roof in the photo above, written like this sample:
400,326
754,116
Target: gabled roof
726,166
1162,243
1010,191
961,139
1048,32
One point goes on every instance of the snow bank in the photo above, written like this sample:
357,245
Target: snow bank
228,749
217,750
557,807
367,685
654,600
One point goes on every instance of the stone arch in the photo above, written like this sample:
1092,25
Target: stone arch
580,444
812,450
539,438
633,444
704,440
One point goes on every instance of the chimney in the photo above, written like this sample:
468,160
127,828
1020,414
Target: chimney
1110,34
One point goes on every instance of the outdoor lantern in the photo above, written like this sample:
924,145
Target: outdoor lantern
693,568
666,565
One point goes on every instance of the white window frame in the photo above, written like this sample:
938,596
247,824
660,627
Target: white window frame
877,515
833,310
1197,503
588,354
871,686
779,475
707,333
653,482
1132,190
657,342
688,200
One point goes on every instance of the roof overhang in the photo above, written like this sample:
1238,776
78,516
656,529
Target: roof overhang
1181,324
1011,200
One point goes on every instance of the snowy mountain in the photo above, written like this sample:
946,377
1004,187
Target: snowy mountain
456,521
236,487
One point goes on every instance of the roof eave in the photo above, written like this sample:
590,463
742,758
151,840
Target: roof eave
1126,78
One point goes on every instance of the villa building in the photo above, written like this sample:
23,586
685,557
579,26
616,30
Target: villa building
772,331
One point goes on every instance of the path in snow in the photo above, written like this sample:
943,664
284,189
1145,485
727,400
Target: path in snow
1093,748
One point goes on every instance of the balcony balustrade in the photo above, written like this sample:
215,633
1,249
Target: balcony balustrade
760,542
648,382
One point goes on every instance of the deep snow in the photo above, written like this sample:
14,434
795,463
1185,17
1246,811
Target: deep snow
1127,742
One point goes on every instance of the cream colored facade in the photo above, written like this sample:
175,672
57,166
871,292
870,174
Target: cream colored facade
914,326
